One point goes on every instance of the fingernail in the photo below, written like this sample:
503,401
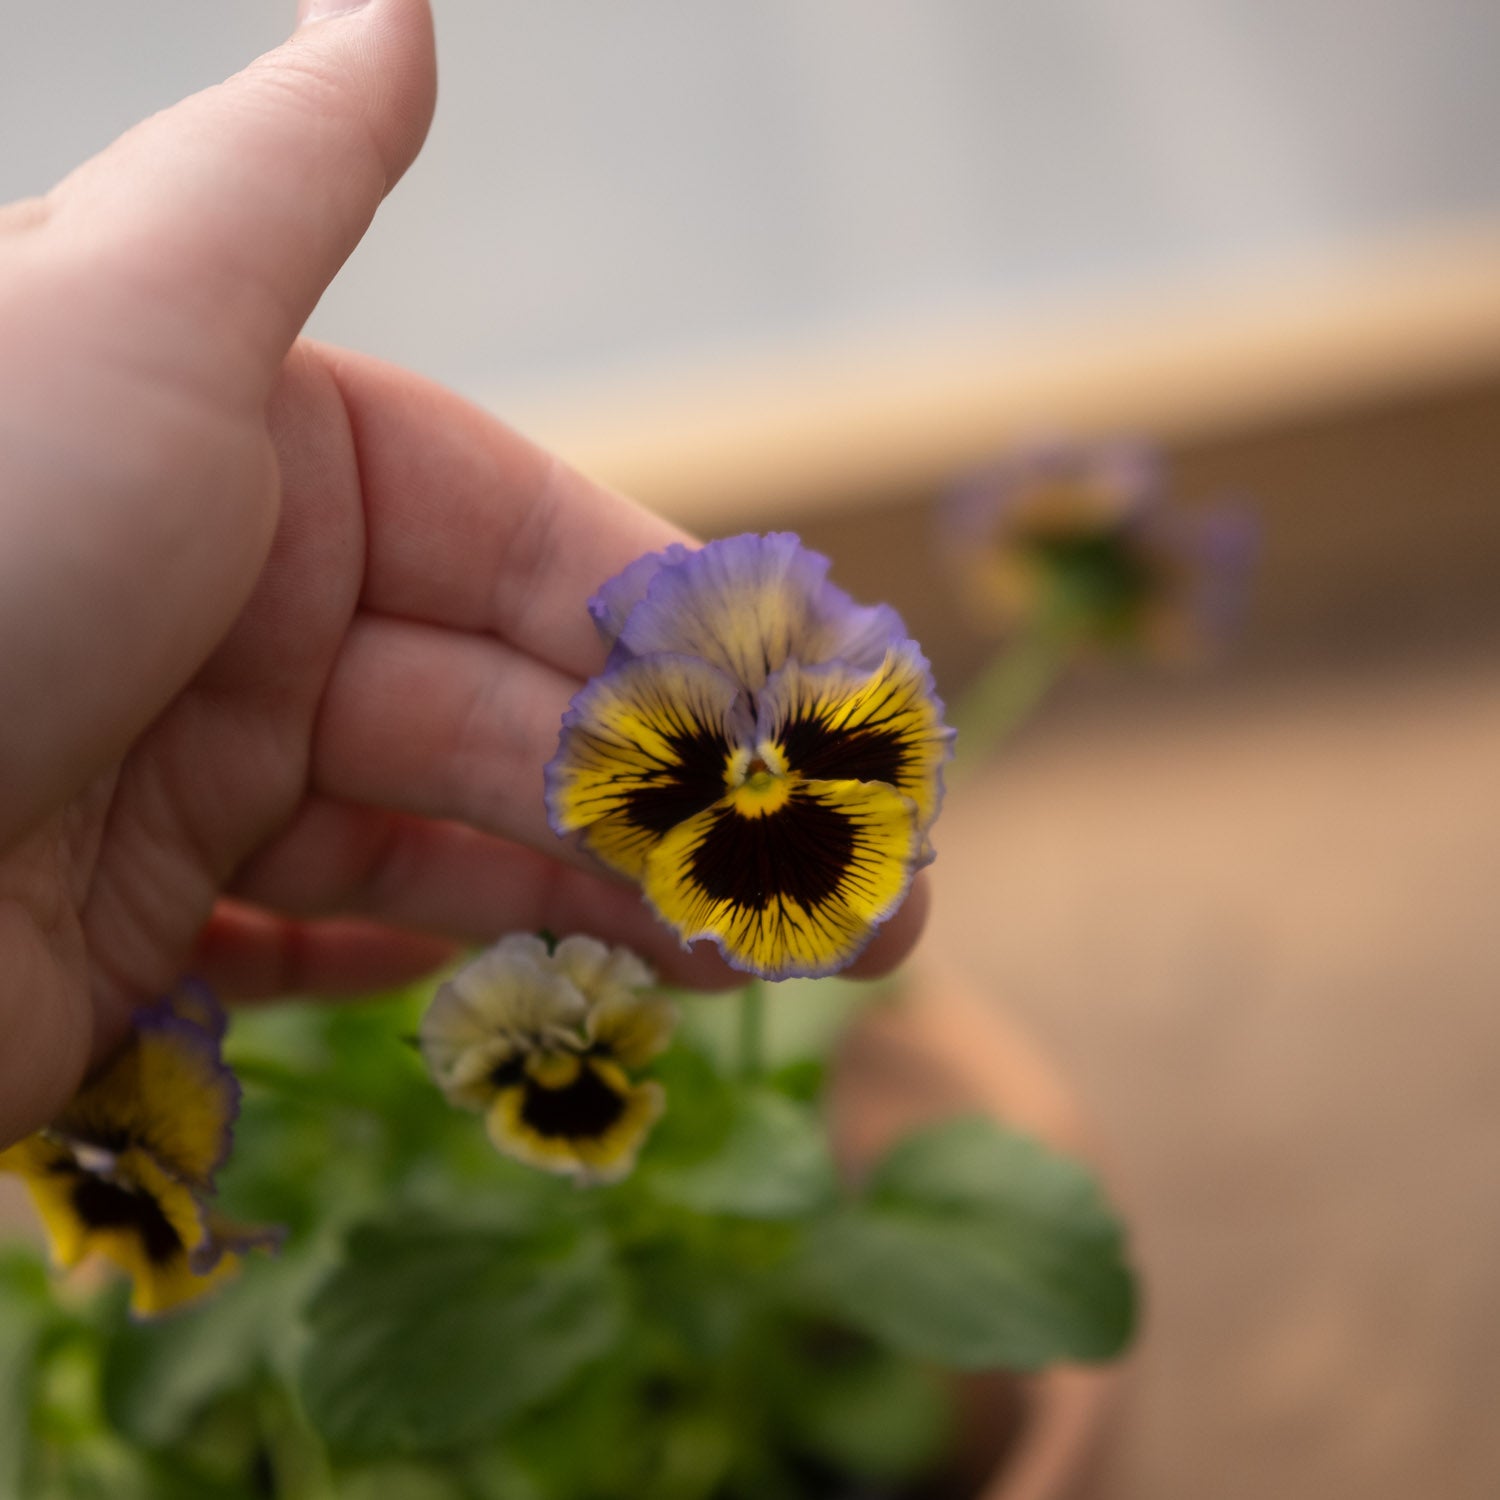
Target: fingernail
309,11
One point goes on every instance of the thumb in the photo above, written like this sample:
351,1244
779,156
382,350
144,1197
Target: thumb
146,307
235,208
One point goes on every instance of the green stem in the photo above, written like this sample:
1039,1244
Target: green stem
1004,695
297,1467
752,1029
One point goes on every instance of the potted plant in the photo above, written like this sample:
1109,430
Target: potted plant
727,1319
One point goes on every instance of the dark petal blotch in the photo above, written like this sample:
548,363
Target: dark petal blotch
107,1205
868,753
801,852
584,1109
683,790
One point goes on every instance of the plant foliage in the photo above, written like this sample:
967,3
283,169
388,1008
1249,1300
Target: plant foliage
730,1322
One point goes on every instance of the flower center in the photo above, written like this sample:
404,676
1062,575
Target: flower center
758,779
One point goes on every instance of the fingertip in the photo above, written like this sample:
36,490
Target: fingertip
894,942
383,53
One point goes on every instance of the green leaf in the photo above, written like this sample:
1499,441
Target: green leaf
977,1248
159,1376
865,1411
574,1445
700,1107
494,1474
25,1312
433,1335
975,1162
398,1479
772,1162
619,1434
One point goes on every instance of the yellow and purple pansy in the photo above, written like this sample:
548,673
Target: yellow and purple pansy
761,755
127,1170
543,1041
1082,539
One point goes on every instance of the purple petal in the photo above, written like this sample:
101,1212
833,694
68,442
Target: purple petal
1222,547
1127,476
225,1237
194,1002
747,604
611,606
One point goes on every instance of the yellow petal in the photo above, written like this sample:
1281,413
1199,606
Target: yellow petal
168,1092
643,747
633,1029
139,1217
163,1288
797,892
833,723
590,1128
44,1166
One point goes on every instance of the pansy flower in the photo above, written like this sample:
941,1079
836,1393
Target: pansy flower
1083,539
762,755
543,1042
126,1171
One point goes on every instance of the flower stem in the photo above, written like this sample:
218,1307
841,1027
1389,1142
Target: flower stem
1004,695
752,1029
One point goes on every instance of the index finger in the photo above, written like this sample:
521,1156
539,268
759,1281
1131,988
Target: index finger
472,527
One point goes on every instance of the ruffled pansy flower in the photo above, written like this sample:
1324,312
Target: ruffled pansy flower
761,755
1083,540
127,1170
543,1042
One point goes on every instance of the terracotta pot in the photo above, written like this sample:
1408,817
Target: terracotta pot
939,1049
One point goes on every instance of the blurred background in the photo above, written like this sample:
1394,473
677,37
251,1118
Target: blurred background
808,263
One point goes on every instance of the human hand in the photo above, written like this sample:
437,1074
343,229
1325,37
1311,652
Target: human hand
282,624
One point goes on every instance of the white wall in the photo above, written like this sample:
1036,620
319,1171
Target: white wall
618,183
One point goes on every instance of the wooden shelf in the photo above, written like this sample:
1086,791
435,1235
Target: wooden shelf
809,431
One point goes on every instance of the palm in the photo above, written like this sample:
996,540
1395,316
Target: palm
365,697
226,766
118,884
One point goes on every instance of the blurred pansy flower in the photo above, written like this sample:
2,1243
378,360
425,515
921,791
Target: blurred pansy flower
544,1042
762,755
1083,539
126,1171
